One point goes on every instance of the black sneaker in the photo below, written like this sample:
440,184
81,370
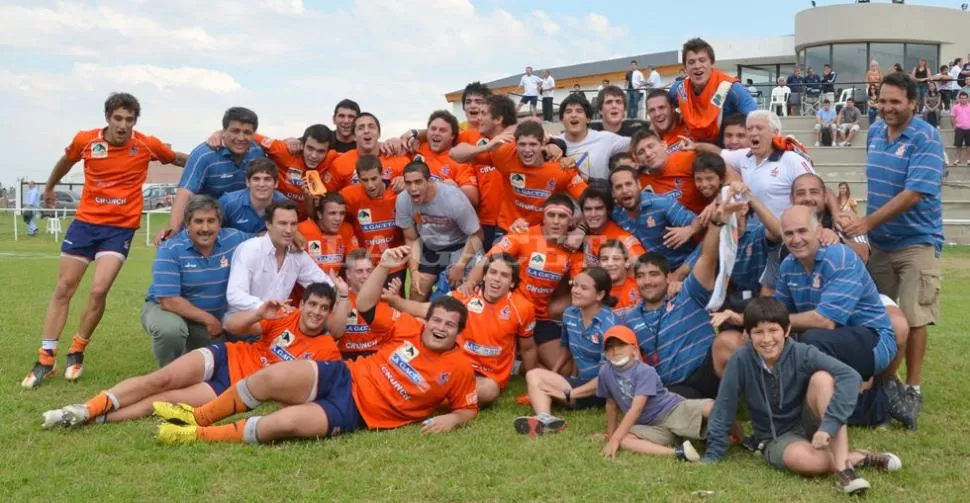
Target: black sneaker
37,375
752,444
850,482
915,398
75,366
885,461
901,407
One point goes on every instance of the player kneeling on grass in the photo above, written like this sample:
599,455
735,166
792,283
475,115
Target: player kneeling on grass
199,376
403,382
653,418
778,379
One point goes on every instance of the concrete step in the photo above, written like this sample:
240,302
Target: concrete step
807,136
856,154
950,193
857,171
956,231
804,122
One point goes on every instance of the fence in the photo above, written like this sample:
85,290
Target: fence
53,223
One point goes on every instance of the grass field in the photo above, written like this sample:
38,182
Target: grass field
485,462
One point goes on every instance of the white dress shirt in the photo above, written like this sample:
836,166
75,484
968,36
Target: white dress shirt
655,81
254,277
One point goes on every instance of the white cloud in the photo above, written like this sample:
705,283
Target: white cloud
602,27
548,26
290,7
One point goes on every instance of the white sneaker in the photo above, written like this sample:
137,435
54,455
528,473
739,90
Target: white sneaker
816,144
67,417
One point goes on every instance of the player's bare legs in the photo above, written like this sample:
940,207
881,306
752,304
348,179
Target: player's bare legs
106,269
487,389
70,272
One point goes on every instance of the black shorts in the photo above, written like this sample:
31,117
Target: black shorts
529,100
702,383
961,137
589,402
433,262
491,234
547,330
851,345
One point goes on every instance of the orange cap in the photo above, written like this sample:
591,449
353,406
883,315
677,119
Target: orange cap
621,332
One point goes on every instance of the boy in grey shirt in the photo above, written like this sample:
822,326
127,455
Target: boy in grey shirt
438,222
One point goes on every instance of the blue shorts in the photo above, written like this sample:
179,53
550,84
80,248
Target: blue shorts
216,373
547,330
530,100
336,398
91,241
590,402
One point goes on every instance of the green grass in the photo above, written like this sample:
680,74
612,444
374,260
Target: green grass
486,461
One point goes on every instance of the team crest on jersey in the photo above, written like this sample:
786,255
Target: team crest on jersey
816,281
482,141
633,295
314,248
352,317
223,262
445,170
99,150
476,305
133,151
537,261
651,222
595,338
517,180
505,313
283,340
364,217
407,351
550,185
418,158
443,378
294,176
901,151
774,172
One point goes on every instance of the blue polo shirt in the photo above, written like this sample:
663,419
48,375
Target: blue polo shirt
586,343
794,82
179,270
215,172
913,162
238,211
751,258
657,212
676,337
839,288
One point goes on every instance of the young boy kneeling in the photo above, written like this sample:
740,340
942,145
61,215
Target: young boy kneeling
799,399
653,418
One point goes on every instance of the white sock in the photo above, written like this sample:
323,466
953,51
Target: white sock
915,388
246,395
49,344
249,430
114,400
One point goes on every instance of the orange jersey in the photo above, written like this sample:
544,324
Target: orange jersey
291,169
281,341
527,188
359,337
676,177
492,332
114,175
491,188
443,167
673,137
373,220
328,251
627,296
343,170
543,265
404,382
593,242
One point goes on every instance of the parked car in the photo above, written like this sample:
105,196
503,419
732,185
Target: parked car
159,196
63,200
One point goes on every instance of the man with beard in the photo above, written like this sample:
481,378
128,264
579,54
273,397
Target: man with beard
367,133
611,103
244,209
665,172
661,110
500,321
590,149
343,121
660,223
597,206
707,95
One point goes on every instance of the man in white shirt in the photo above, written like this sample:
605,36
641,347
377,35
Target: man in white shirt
32,211
529,84
590,149
266,267
654,81
548,91
634,86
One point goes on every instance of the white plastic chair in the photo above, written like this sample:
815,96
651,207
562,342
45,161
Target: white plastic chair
779,98
846,94
54,226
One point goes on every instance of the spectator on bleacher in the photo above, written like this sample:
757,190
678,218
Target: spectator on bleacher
825,119
578,90
611,105
653,80
873,102
529,86
874,76
634,85
32,203
752,90
828,83
922,74
932,103
187,298
897,67
847,203
606,82
960,113
795,83
780,94
848,123
548,89
813,83
964,71
952,81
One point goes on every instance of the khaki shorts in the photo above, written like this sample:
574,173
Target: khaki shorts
685,420
912,277
774,451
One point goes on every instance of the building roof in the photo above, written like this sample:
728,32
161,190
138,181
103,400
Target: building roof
596,67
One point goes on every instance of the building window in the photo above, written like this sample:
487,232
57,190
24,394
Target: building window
887,55
849,61
916,51
817,57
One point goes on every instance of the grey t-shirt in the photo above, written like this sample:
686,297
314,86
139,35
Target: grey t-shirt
592,154
638,379
850,115
444,222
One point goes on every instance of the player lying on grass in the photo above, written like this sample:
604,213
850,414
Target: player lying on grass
201,375
499,320
778,378
408,378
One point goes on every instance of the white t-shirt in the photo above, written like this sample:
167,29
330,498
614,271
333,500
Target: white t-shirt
592,153
655,81
770,181
636,78
531,84
548,87
952,85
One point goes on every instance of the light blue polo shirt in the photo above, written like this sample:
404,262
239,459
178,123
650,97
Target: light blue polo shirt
215,172
179,270
586,343
657,212
238,211
839,288
751,258
676,337
914,161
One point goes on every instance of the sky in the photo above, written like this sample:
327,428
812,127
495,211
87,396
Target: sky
292,60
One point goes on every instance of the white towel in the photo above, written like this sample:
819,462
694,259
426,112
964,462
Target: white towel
727,254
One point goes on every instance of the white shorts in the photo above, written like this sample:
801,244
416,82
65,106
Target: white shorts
819,126
846,128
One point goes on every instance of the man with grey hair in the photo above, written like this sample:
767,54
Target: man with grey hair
187,298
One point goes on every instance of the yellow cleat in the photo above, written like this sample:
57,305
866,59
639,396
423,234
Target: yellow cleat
173,434
175,413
